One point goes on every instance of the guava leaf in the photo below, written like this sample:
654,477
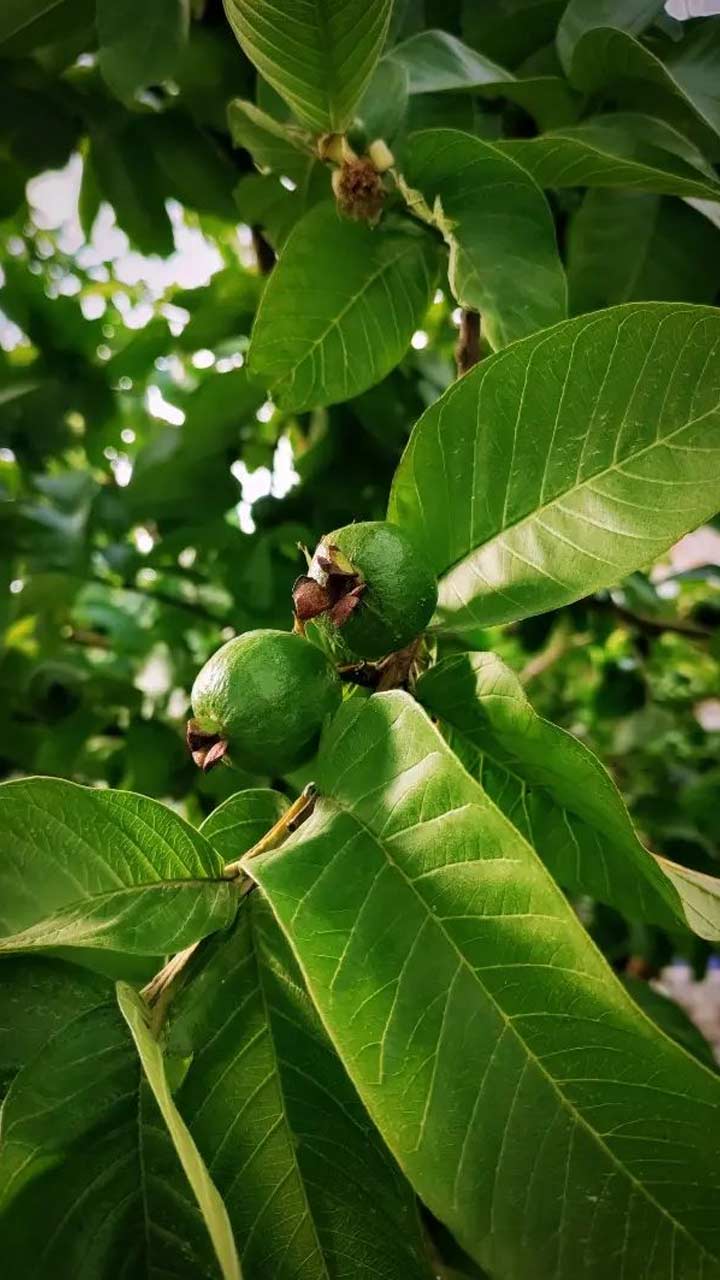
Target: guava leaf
274,147
535,1109
556,792
624,149
318,57
581,16
671,1019
307,1183
504,260
626,246
140,44
438,62
565,462
241,820
108,869
136,1014
88,1145
340,307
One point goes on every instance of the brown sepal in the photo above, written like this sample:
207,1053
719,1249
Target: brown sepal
309,598
206,749
346,604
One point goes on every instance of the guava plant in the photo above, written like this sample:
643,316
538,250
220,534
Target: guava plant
352,1024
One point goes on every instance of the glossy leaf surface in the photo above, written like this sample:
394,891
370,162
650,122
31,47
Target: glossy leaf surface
565,462
538,1113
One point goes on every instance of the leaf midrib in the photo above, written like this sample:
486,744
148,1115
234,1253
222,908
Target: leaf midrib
575,488
509,1022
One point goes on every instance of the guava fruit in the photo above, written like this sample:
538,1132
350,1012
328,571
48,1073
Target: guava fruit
373,583
260,702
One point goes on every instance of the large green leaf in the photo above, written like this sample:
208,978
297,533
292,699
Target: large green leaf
140,44
537,1112
318,56
582,16
38,996
555,791
340,307
133,188
625,246
504,260
308,1184
624,149
682,89
105,869
437,62
215,1216
565,462
83,1148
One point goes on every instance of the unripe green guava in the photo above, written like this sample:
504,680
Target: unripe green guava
266,694
378,588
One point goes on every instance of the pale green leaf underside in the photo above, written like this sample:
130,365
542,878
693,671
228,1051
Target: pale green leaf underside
213,1210
310,1190
558,794
537,1112
318,55
625,150
504,260
110,869
565,462
340,307
438,62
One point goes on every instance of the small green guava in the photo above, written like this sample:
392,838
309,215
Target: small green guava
261,701
372,582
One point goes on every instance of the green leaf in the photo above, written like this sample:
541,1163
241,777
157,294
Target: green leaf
627,247
242,820
38,996
510,30
135,1012
134,189
619,150
536,1111
319,57
140,44
671,1019
555,791
681,90
84,1149
274,147
29,24
307,1183
105,869
361,316
438,62
582,16
565,462
504,260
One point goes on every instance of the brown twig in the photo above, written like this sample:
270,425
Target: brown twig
467,351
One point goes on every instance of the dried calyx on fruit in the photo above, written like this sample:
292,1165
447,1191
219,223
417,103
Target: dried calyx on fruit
372,582
357,182
260,703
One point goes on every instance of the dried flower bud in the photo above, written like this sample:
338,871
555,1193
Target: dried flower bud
359,190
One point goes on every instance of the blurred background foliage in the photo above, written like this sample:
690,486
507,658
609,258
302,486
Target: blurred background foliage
153,500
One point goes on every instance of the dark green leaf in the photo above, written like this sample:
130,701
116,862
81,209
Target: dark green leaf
214,1213
361,317
582,16
671,1019
504,261
29,24
627,247
318,57
274,147
134,189
140,43
565,462
619,150
438,62
536,1111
